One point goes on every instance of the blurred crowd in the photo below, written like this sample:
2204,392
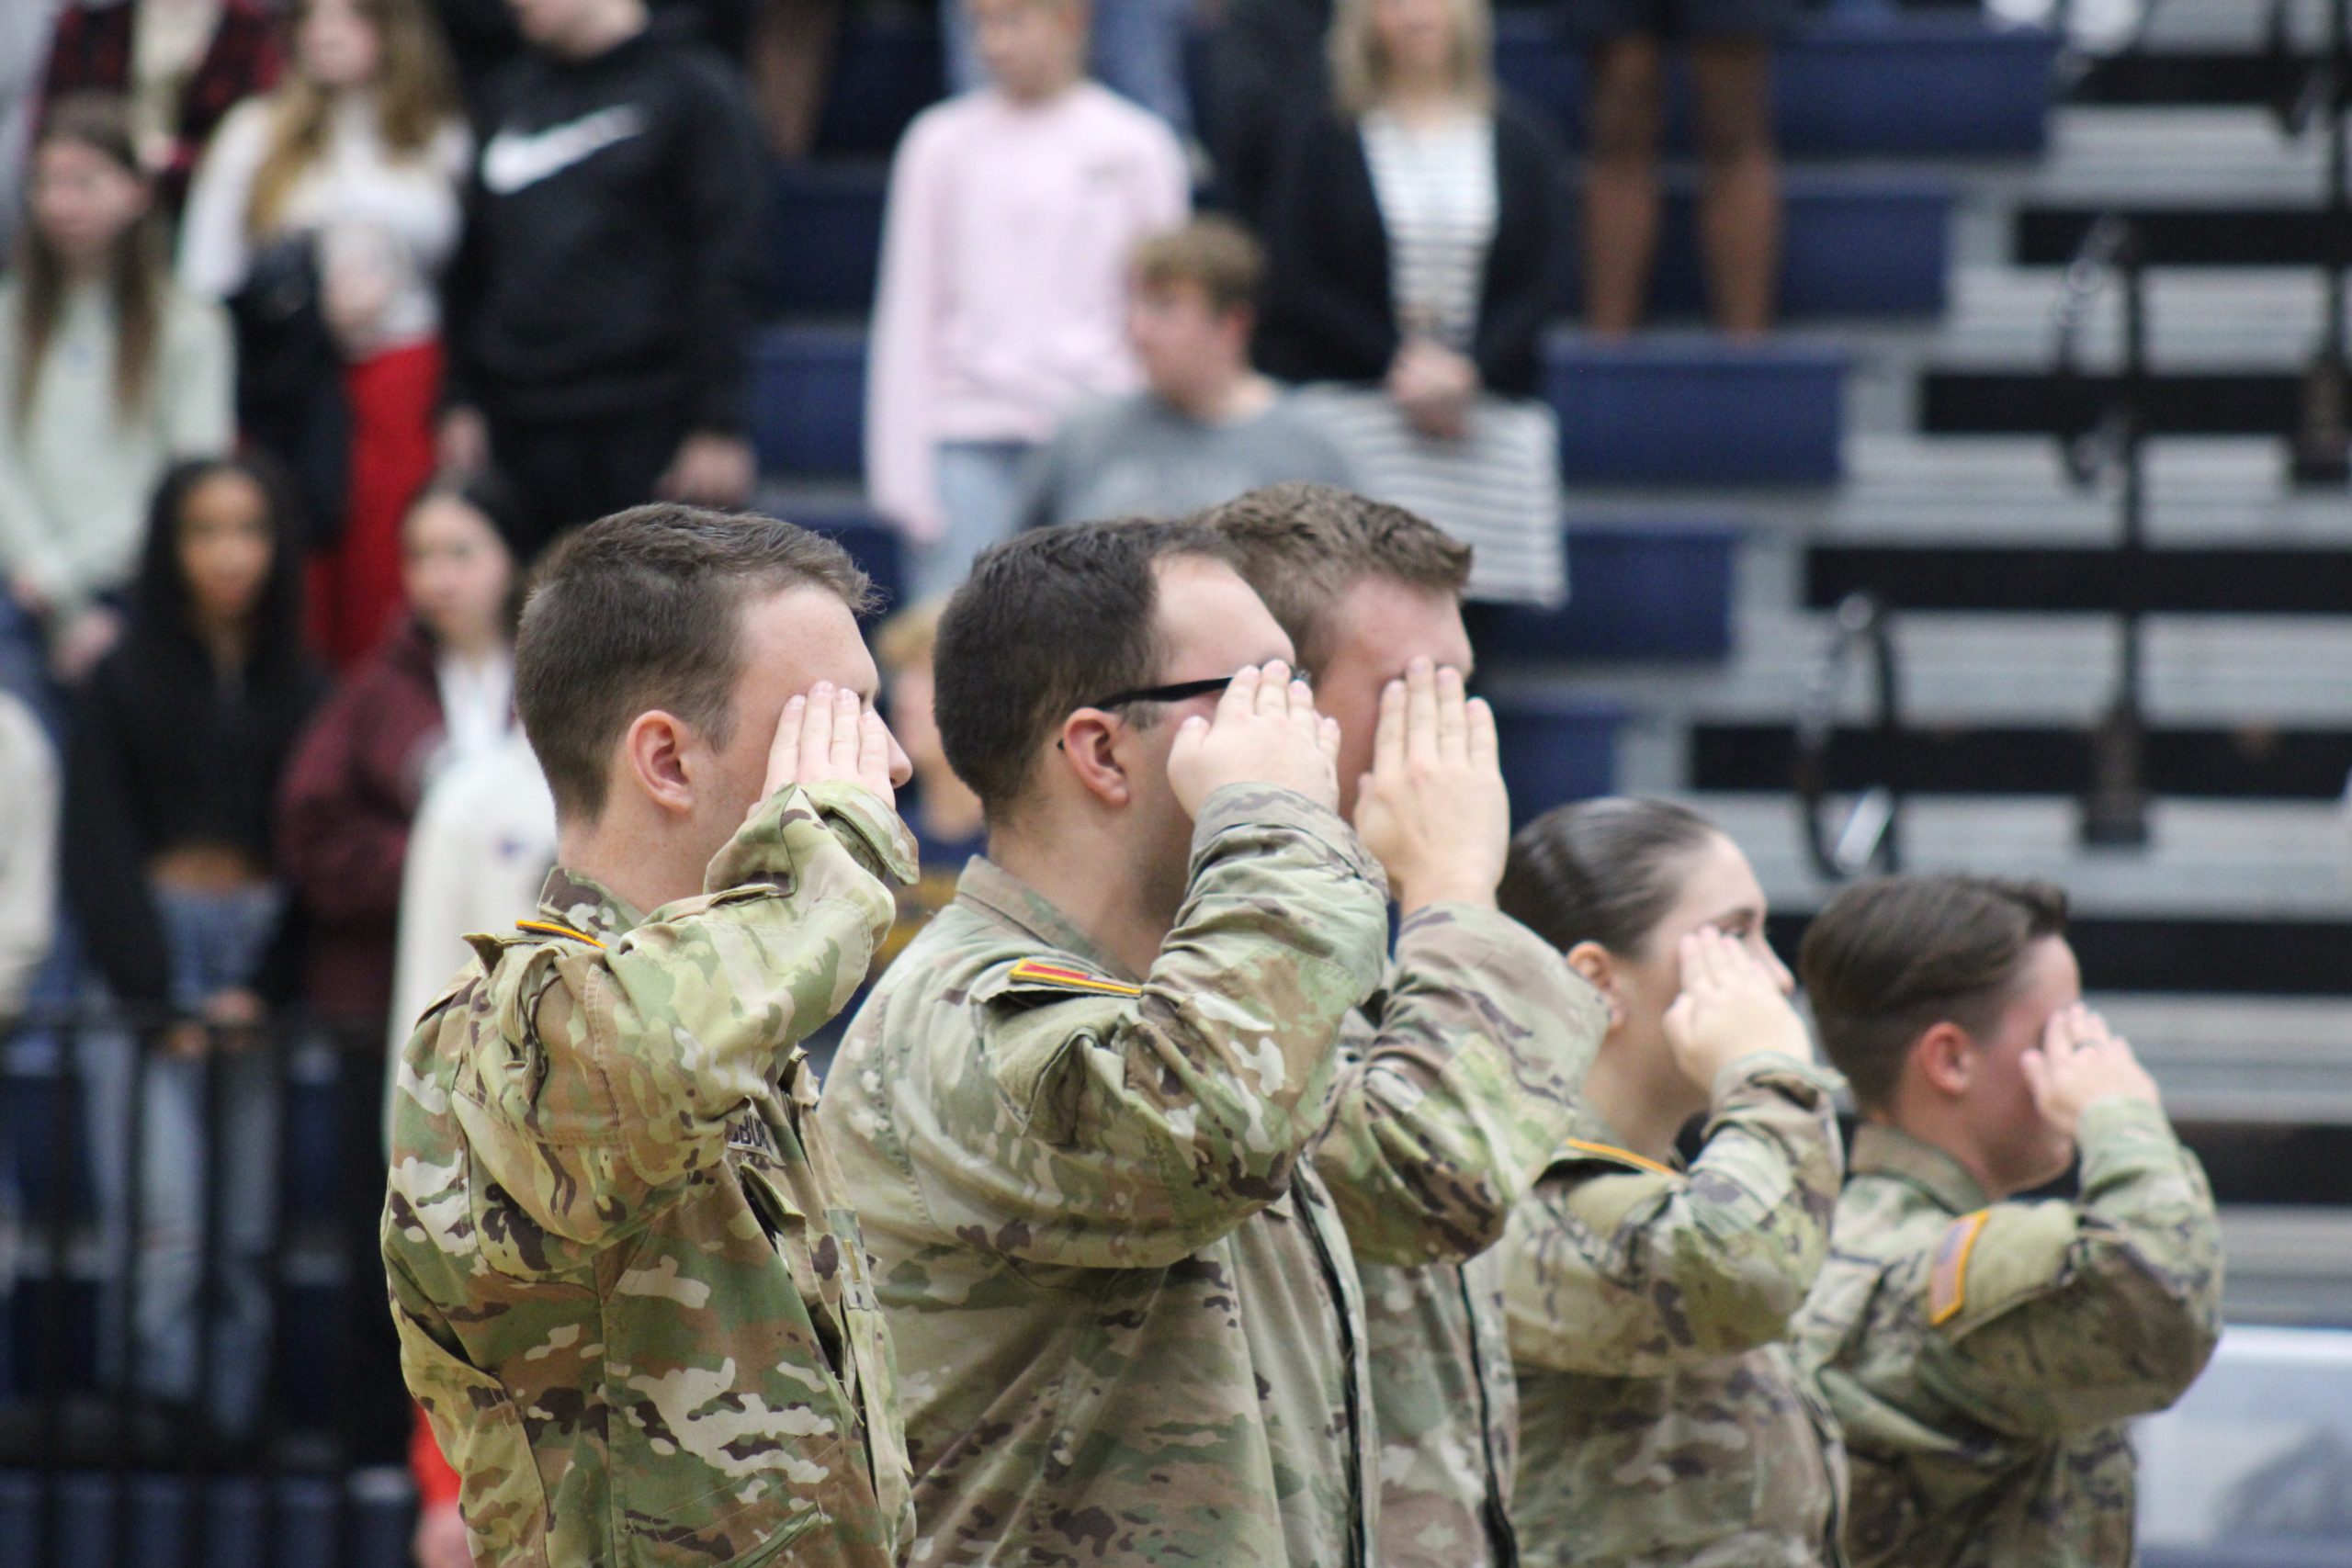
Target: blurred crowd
323,321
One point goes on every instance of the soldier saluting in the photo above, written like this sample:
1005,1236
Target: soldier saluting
629,1291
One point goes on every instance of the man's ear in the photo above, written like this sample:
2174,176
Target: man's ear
653,756
1089,748
1944,1060
1599,966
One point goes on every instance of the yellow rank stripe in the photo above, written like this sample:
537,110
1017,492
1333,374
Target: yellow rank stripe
1062,977
1948,1286
549,928
1624,1156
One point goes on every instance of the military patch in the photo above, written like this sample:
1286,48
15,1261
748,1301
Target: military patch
549,928
1948,1285
1616,1155
1033,972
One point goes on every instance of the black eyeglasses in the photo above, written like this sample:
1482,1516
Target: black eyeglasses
1181,690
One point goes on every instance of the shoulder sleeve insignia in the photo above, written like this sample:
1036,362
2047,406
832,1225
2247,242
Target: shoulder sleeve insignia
1036,973
549,928
1948,1284
1573,1149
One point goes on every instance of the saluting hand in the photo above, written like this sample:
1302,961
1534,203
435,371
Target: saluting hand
1266,731
2079,1061
1730,1006
1433,811
827,733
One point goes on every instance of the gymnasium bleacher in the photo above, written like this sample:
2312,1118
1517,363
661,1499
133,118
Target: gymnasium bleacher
1900,437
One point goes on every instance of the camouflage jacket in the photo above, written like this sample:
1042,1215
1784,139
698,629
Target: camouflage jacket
1661,1418
1983,1360
1129,1323
1461,1081
628,1290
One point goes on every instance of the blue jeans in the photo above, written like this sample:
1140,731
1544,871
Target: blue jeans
980,485
23,669
216,942
1136,51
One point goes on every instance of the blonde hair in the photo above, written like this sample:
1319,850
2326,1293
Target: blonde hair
1214,254
1359,68
416,99
906,640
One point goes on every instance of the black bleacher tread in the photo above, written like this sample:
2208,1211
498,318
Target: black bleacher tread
2253,763
2262,234
2182,77
2221,956
2296,580
2028,400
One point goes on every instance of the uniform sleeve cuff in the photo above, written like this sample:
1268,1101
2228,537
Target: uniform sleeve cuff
1779,1070
1240,806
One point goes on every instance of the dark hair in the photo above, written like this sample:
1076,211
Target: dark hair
642,610
1605,871
162,607
1050,621
488,491
135,283
1302,546
1890,959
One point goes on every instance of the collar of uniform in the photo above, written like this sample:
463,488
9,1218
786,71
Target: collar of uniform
1881,1150
1592,1127
989,887
586,905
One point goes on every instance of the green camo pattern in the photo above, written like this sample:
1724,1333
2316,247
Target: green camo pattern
1994,1439
629,1292
1453,1097
1662,1422
1128,1324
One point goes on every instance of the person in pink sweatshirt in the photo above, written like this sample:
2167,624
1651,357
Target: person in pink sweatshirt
1002,300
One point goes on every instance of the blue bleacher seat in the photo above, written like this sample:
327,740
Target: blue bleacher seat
886,69
828,223
808,399
1555,748
1691,410
160,1526
1913,85
1652,590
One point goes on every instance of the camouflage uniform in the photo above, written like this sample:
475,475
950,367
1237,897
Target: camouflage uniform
1983,1360
1130,1322
1463,1077
628,1291
1662,1419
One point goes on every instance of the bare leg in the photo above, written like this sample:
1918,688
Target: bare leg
1621,190
792,55
1739,200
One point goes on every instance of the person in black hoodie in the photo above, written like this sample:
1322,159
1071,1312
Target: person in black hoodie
178,740
599,308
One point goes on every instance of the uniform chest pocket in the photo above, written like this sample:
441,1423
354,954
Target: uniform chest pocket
503,1501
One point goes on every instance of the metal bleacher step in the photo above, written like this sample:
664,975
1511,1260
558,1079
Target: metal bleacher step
2286,1265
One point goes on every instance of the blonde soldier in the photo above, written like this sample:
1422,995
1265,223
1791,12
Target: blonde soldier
1662,1420
1077,1111
1983,1354
629,1291
1460,1080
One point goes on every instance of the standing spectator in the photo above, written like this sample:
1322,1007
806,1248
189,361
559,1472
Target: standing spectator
1265,67
108,374
600,304
1207,427
180,738
440,689
352,164
184,64
1136,47
1415,264
1012,212
1728,45
28,855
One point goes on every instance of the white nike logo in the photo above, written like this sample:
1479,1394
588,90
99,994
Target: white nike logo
518,160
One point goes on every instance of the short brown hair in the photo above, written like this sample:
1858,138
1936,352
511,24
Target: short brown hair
1213,254
1050,621
1890,959
910,636
1302,546
642,610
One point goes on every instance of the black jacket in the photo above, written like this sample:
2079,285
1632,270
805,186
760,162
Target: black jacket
1329,312
612,240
